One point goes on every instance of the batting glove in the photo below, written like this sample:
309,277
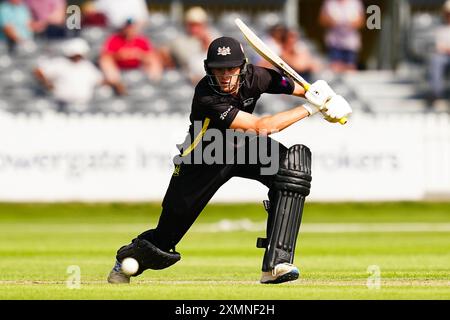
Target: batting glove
336,108
319,93
312,109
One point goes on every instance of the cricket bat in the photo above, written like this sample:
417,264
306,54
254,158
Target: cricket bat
264,51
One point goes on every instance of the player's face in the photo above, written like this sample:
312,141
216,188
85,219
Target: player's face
227,78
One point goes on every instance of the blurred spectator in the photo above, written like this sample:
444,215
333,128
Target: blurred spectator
49,17
343,19
297,55
189,50
117,12
71,78
15,23
440,60
128,50
274,40
91,17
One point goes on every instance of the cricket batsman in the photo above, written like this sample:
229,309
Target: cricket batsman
225,100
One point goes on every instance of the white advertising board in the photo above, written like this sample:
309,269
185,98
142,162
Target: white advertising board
129,158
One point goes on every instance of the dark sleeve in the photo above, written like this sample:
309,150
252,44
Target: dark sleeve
220,114
271,81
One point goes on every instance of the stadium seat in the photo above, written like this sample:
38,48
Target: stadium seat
159,105
28,106
27,50
17,82
180,108
111,106
4,104
118,105
182,93
3,48
20,92
103,93
163,37
171,78
144,92
94,34
5,62
158,21
42,105
133,77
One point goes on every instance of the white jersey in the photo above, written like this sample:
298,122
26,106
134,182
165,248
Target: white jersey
73,82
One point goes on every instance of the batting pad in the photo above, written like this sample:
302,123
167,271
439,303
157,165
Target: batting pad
291,185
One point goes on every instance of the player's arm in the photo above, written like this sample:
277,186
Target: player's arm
266,125
271,81
11,33
333,111
40,76
299,91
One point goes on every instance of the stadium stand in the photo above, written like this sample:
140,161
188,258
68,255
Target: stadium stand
402,90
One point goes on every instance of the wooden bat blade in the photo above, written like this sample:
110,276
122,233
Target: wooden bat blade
264,51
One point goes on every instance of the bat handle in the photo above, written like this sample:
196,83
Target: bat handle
343,120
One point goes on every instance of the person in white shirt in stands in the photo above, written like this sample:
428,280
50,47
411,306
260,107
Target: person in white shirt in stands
71,78
440,60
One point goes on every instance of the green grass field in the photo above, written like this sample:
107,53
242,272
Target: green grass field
409,242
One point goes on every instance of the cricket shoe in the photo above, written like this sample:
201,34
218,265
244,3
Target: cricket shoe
117,276
282,272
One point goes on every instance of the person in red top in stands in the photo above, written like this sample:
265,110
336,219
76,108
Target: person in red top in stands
128,50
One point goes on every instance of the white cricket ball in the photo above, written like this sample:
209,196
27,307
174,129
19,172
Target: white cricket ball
130,266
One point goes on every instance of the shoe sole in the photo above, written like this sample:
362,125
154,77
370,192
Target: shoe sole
112,281
117,279
290,276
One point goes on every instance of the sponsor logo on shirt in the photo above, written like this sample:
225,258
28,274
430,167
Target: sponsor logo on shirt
176,171
224,114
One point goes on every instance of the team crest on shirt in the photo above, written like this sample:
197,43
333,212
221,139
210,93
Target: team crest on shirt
223,51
